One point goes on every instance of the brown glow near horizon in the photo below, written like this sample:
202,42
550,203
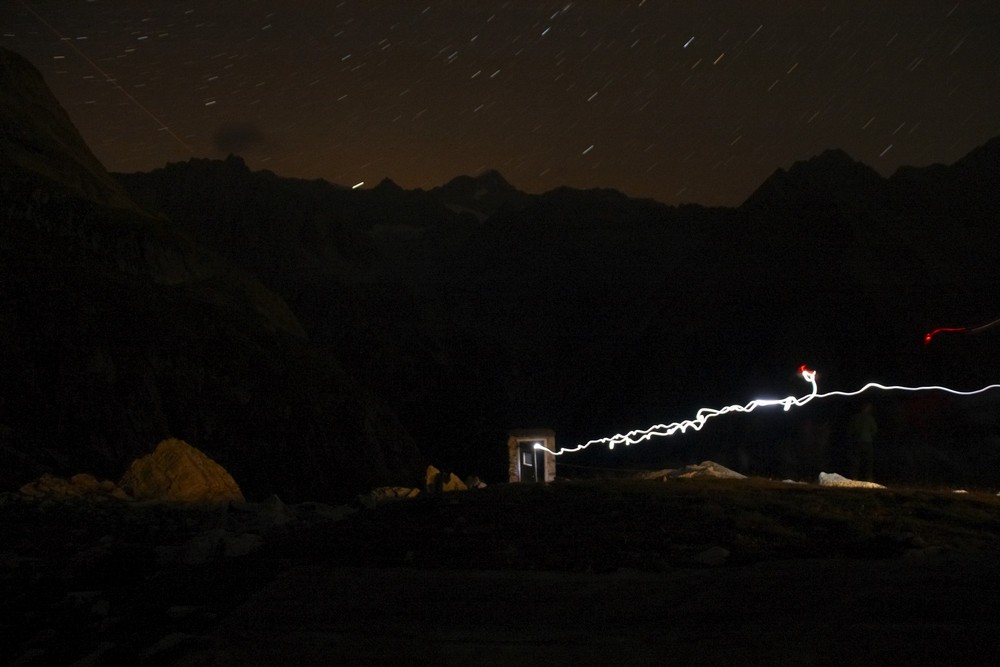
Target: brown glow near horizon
665,100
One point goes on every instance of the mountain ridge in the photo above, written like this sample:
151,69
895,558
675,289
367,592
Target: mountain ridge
432,322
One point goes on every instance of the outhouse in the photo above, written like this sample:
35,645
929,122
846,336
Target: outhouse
529,462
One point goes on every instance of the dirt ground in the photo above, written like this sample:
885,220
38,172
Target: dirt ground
684,572
926,609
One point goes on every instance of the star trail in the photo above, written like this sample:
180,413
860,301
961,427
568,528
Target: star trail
677,101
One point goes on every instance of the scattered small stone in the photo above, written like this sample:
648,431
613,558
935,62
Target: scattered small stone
82,485
384,494
712,557
217,544
173,646
182,611
312,511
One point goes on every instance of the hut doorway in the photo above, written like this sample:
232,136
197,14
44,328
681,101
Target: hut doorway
531,458
532,462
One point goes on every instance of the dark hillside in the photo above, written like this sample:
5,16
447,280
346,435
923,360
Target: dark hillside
118,330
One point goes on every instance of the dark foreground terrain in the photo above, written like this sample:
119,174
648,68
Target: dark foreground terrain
688,572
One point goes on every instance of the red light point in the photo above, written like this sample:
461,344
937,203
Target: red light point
929,336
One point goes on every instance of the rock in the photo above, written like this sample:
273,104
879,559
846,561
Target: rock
273,512
216,544
443,481
473,482
172,648
658,475
453,483
178,472
833,479
312,512
81,485
712,557
705,469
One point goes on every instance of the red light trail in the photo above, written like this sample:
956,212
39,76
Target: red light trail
929,336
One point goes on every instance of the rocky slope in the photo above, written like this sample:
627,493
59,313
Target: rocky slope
119,330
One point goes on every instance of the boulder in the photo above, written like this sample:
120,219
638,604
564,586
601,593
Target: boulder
443,481
473,482
833,479
700,470
178,472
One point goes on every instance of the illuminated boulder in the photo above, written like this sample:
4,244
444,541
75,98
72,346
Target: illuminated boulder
437,481
704,469
834,479
709,469
178,472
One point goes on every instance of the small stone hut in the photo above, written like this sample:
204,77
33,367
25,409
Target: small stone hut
529,463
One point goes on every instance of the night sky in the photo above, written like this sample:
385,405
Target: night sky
682,101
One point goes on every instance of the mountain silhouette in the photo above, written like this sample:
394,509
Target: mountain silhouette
38,140
481,195
831,178
316,339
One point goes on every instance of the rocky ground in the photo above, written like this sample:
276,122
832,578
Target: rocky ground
682,571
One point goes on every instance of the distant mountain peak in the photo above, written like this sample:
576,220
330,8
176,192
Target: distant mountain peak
834,163
494,179
830,178
490,180
236,162
387,185
482,195
969,182
831,156
985,156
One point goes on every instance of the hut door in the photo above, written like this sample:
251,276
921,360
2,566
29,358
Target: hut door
530,462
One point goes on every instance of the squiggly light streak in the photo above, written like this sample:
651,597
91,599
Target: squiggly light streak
787,403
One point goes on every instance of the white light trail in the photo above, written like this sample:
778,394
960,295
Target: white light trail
787,403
